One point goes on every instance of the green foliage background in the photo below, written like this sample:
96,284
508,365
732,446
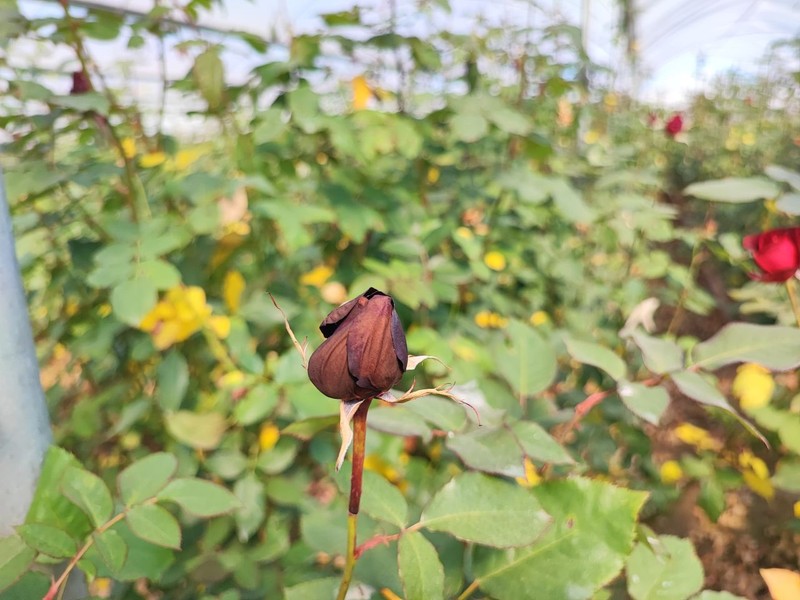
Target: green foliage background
519,218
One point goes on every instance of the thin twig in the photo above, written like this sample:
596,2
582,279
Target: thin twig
301,348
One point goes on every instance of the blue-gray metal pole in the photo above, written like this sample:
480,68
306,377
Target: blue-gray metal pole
24,424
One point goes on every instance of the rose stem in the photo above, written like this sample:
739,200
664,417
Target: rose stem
356,477
793,297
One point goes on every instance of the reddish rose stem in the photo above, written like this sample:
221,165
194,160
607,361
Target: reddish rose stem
359,449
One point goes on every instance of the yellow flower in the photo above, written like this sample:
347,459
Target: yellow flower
128,147
100,587
180,314
152,159
376,463
433,175
756,475
317,276
539,318
796,508
697,437
487,319
753,386
592,136
361,93
495,260
671,471
532,477
268,436
232,289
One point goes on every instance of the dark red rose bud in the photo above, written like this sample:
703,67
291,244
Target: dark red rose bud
80,83
365,352
776,252
674,126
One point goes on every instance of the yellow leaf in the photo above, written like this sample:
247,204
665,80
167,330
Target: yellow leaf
783,584
671,471
232,289
495,260
361,93
433,175
317,276
268,436
753,386
152,159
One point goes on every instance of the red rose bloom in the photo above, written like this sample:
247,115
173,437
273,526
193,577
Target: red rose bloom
674,126
776,252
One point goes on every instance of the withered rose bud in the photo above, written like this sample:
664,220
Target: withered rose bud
365,352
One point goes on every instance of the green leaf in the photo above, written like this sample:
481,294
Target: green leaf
257,404
209,76
398,420
250,493
538,444
112,549
774,347
172,378
201,431
279,458
439,412
596,355
784,175
789,203
162,274
672,572
146,477
648,403
319,588
87,491
481,509
199,497
660,356
32,584
420,569
489,450
529,362
154,524
379,499
591,519
469,127
133,299
90,101
787,475
307,428
49,505
15,556
48,540
700,387
143,558
733,189
711,595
